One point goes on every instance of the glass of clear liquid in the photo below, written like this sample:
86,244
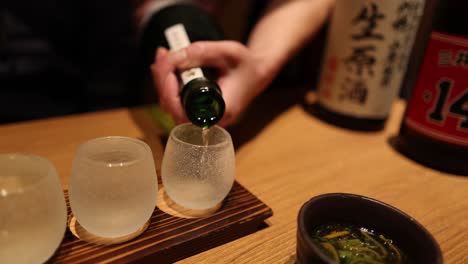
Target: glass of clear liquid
198,166
33,214
113,186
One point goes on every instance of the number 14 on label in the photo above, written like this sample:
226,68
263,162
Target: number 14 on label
457,107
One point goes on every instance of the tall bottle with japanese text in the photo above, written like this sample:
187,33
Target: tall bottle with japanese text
175,26
368,46
434,130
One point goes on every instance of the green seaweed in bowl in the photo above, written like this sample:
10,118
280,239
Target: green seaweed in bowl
350,244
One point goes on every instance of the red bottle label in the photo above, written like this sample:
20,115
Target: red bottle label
439,105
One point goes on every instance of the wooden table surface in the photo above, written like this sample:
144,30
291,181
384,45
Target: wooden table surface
285,159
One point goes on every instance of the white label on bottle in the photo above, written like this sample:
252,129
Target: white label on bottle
177,39
368,48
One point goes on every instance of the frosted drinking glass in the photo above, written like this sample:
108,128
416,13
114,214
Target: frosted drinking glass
113,186
196,174
33,214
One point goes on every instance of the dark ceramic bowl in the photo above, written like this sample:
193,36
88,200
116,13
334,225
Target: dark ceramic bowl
411,237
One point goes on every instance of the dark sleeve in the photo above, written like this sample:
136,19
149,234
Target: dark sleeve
80,29
91,45
56,21
45,17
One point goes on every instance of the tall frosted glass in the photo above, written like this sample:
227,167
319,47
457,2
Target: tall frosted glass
196,174
33,214
113,186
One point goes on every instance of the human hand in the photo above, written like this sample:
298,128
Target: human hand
242,76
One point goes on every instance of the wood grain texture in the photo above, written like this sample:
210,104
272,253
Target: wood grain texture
169,238
287,159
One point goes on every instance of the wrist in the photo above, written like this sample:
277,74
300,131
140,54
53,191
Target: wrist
265,69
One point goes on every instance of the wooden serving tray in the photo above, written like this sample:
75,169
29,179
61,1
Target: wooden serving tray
169,238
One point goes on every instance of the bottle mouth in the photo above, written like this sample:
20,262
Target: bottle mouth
203,102
204,108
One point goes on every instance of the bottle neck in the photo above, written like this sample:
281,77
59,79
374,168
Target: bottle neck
177,39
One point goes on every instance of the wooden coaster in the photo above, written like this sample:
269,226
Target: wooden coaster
81,233
167,205
170,238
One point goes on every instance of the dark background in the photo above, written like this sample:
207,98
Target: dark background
61,57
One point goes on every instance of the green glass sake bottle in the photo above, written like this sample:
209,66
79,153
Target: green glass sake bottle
175,26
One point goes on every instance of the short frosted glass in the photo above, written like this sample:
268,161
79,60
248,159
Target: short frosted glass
113,186
33,214
195,175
